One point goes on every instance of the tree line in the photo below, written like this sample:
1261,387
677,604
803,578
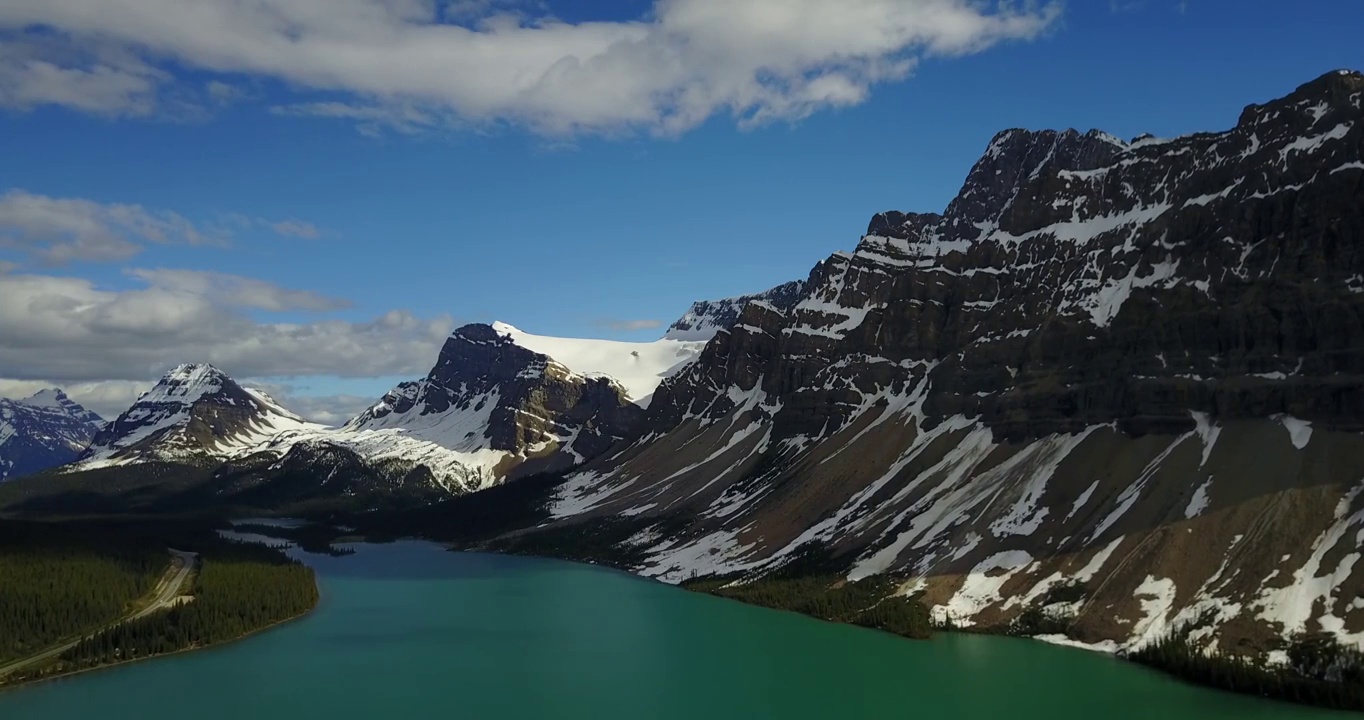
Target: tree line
239,589
58,581
1320,671
62,580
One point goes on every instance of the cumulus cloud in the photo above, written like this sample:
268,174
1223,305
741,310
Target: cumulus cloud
59,230
631,325
66,330
236,291
92,77
666,71
221,93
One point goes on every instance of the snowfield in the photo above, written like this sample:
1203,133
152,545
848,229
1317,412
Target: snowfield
639,367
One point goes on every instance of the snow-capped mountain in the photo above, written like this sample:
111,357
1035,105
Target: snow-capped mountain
1133,370
194,414
499,403
43,431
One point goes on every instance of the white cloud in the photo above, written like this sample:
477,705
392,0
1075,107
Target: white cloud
221,93
296,228
66,330
236,291
666,72
91,77
58,230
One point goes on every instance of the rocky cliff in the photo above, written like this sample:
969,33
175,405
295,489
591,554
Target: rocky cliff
705,318
1133,369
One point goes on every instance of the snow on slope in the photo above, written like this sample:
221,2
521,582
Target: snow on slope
639,367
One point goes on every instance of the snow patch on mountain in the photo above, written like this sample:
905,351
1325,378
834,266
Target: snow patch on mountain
638,367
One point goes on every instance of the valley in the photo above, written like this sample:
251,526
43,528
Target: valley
1108,398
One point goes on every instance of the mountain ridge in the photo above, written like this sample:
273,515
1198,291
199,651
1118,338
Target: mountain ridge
1053,381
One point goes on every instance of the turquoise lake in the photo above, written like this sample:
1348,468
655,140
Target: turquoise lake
408,630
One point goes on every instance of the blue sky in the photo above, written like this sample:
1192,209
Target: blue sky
339,203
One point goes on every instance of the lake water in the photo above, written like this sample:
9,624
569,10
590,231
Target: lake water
409,631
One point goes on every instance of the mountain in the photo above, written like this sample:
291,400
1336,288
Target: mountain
1119,382
194,415
43,431
500,403
708,317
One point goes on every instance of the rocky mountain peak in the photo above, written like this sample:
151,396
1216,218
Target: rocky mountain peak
1338,90
1017,157
707,317
56,400
194,412
43,431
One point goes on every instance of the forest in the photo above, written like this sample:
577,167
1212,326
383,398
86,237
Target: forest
811,584
76,580
1320,671
61,581
239,589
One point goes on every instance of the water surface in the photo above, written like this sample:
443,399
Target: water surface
409,631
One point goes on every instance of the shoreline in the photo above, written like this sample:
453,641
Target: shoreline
1100,649
21,684
1093,649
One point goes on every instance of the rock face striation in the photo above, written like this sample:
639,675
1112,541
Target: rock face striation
43,431
1133,369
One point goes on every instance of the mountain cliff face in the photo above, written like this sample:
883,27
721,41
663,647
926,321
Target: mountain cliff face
195,414
1132,369
707,317
43,431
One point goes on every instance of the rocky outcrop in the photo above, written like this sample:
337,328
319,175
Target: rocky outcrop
43,431
707,317
1135,366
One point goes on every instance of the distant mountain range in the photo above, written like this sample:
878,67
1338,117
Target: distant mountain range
499,403
1117,382
43,431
